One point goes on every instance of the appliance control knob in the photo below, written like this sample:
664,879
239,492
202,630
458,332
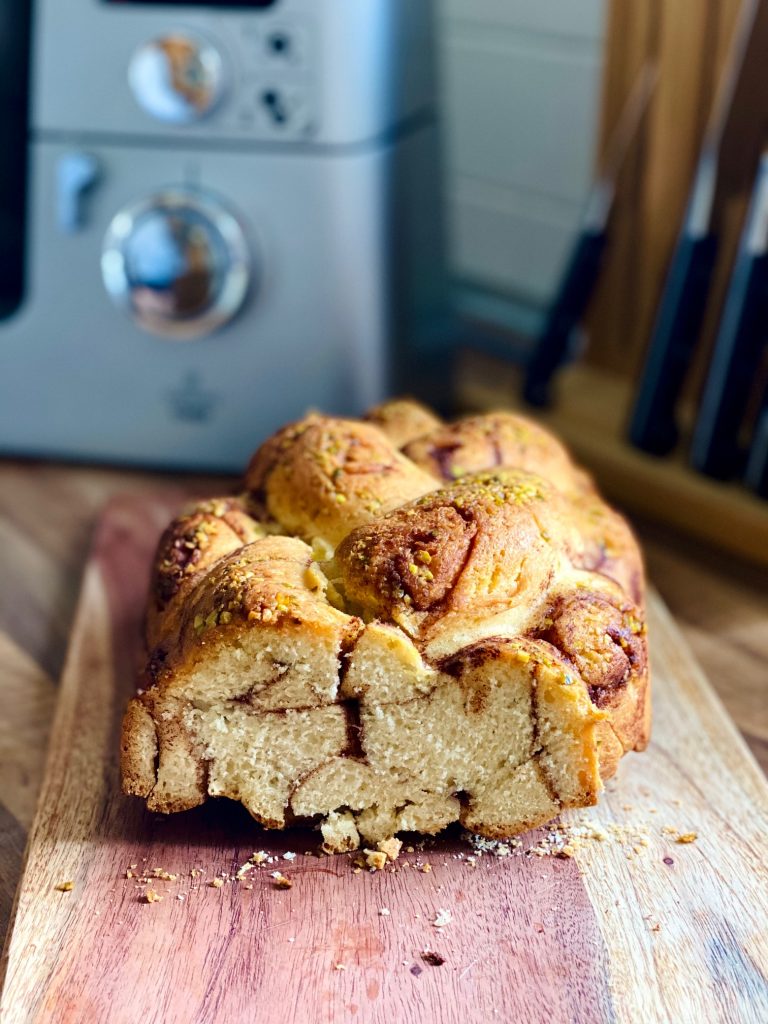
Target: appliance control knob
178,262
177,78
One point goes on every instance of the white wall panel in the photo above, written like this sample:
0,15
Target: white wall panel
578,18
510,241
521,86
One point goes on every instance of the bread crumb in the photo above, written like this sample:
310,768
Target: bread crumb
128,873
339,967
390,847
442,918
290,855
164,876
375,859
65,887
687,837
425,868
150,896
216,883
259,857
383,912
498,847
281,880
243,870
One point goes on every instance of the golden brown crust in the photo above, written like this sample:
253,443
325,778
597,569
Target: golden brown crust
608,546
501,440
605,641
491,543
268,582
321,477
189,547
498,552
476,570
403,420
138,750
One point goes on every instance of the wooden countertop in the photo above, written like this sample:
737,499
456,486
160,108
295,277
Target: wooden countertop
47,513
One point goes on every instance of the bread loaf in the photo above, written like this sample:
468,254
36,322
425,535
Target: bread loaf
400,623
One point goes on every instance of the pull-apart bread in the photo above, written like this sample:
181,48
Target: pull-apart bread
400,623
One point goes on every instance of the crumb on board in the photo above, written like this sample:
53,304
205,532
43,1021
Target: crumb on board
65,887
559,839
339,967
163,875
375,860
443,917
495,847
686,837
390,848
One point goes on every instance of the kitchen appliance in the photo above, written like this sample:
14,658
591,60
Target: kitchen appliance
233,215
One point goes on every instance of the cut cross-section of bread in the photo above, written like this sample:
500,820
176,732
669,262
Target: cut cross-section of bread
376,640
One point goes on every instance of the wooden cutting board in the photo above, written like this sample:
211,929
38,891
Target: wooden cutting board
634,926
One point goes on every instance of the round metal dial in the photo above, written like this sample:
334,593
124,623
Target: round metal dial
178,262
178,78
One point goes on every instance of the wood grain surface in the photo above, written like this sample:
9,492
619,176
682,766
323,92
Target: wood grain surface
634,926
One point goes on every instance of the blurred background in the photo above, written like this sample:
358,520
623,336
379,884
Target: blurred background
214,216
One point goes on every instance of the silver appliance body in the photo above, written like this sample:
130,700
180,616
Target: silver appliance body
233,216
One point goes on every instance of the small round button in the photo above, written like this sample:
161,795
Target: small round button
178,262
177,78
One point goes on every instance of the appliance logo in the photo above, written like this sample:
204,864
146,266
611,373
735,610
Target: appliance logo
190,401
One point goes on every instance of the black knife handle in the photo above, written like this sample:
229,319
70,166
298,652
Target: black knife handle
715,447
15,22
756,473
554,344
653,426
